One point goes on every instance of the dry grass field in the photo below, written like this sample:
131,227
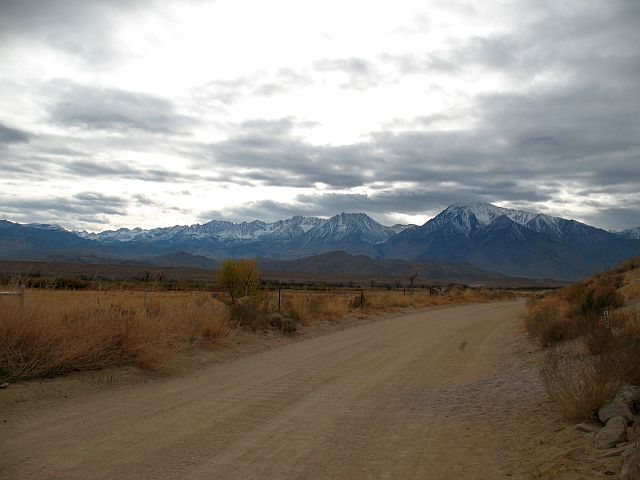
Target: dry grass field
58,331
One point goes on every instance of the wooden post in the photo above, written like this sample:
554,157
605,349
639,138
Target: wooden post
279,295
21,295
361,299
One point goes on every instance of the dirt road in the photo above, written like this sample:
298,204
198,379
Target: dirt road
426,395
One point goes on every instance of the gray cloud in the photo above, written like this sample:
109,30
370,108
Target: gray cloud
224,93
284,81
563,122
12,135
59,209
379,205
121,170
112,109
266,210
361,73
619,218
268,152
80,28
512,158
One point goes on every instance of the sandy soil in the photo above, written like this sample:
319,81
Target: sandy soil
439,394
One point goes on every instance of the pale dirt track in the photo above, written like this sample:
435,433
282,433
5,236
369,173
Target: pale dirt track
427,395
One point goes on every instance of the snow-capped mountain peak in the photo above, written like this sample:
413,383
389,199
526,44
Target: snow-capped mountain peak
630,233
469,216
358,226
46,226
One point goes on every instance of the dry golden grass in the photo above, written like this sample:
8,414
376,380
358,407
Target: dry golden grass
546,322
579,384
60,331
631,289
394,300
57,331
305,307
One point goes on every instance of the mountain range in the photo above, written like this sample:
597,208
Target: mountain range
507,241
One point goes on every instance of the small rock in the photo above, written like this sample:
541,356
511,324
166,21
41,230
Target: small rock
615,409
4,385
631,467
630,450
587,428
629,395
614,452
614,432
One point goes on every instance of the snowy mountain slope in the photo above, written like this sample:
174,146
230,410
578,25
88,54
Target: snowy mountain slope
467,217
630,233
220,230
46,226
348,226
337,228
292,227
512,242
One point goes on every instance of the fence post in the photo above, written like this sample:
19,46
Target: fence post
279,294
361,299
607,322
21,290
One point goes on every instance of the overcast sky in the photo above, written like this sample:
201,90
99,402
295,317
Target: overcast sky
154,113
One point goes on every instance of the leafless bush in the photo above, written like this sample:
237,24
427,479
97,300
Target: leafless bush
578,383
545,322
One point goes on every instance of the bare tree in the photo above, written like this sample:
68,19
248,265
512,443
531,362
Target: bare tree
413,274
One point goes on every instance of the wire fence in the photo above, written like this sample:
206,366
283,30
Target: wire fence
19,294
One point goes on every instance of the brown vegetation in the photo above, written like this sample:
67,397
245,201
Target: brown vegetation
592,351
58,331
579,384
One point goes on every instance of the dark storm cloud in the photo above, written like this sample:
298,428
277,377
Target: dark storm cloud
112,109
12,135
